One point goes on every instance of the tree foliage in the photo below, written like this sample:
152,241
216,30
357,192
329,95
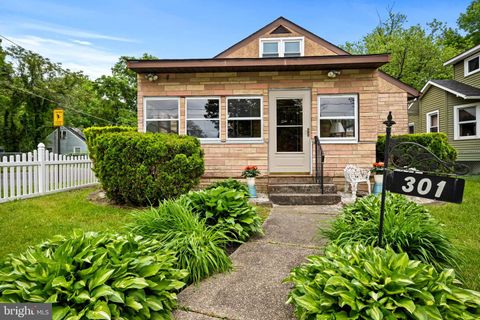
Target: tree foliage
417,52
470,22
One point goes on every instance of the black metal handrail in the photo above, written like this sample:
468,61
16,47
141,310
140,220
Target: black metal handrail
319,152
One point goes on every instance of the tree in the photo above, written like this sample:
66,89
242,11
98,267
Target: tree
417,53
470,22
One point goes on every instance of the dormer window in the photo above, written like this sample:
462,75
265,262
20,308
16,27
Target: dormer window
472,65
281,47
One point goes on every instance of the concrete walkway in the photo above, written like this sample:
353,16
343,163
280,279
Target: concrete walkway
254,289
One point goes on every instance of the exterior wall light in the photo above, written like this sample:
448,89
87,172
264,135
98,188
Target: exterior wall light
151,77
333,73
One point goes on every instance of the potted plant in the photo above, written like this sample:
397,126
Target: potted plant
250,172
377,171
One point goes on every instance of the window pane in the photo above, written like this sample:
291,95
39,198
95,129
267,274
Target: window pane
204,128
411,129
244,129
292,54
241,108
289,139
162,126
468,129
337,107
289,112
433,129
473,64
467,114
337,128
292,47
270,47
162,109
202,108
434,120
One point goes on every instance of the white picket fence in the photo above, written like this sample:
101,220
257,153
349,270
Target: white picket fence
42,172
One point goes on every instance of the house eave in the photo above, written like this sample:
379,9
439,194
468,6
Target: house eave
456,93
259,64
463,55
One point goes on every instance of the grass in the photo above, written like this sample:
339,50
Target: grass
31,221
462,223
263,212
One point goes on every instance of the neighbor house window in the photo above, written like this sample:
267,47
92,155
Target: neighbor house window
472,65
203,118
411,128
433,121
161,114
244,118
466,119
77,149
281,47
338,117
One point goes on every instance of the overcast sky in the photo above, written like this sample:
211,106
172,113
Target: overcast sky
90,35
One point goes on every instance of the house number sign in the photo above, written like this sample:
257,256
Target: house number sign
426,186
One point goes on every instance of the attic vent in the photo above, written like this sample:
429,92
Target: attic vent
280,29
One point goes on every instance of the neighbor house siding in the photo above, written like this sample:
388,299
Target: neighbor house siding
433,99
468,150
459,75
227,159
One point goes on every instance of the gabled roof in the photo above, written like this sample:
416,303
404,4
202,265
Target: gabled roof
463,55
459,89
281,21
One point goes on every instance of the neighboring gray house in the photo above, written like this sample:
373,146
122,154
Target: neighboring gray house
72,141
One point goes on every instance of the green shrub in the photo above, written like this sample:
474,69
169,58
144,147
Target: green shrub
199,248
435,142
230,184
358,282
227,208
408,228
92,133
145,168
95,276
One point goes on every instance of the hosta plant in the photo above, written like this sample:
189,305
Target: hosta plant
363,282
227,208
408,228
230,184
95,276
199,248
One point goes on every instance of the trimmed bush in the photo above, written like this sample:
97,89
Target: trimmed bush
92,133
145,168
230,184
198,247
95,276
362,282
227,208
435,142
408,228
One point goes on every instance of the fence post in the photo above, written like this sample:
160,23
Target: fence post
41,168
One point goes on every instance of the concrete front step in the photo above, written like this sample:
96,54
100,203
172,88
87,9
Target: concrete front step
295,179
305,199
301,188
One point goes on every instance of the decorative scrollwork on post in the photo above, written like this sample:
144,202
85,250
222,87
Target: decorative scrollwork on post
412,156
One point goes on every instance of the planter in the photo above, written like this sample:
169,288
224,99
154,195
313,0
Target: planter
378,178
251,187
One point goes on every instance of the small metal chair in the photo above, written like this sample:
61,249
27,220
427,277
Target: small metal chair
353,176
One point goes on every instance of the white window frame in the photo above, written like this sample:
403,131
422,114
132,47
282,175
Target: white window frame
347,140
411,124
145,120
465,65
227,118
456,123
205,140
429,122
281,45
75,147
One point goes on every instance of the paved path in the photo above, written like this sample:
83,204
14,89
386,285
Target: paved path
254,289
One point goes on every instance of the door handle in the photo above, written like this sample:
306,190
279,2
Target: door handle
308,132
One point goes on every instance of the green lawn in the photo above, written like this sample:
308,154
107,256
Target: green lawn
462,222
31,221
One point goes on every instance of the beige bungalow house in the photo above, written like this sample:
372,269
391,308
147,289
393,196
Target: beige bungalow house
264,99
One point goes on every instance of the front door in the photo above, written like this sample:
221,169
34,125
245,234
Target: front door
289,131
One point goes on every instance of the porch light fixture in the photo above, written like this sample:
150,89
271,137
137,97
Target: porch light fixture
333,73
151,77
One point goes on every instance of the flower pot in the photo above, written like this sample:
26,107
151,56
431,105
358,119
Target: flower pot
378,178
250,181
251,187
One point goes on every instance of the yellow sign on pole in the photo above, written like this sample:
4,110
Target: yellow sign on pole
58,117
